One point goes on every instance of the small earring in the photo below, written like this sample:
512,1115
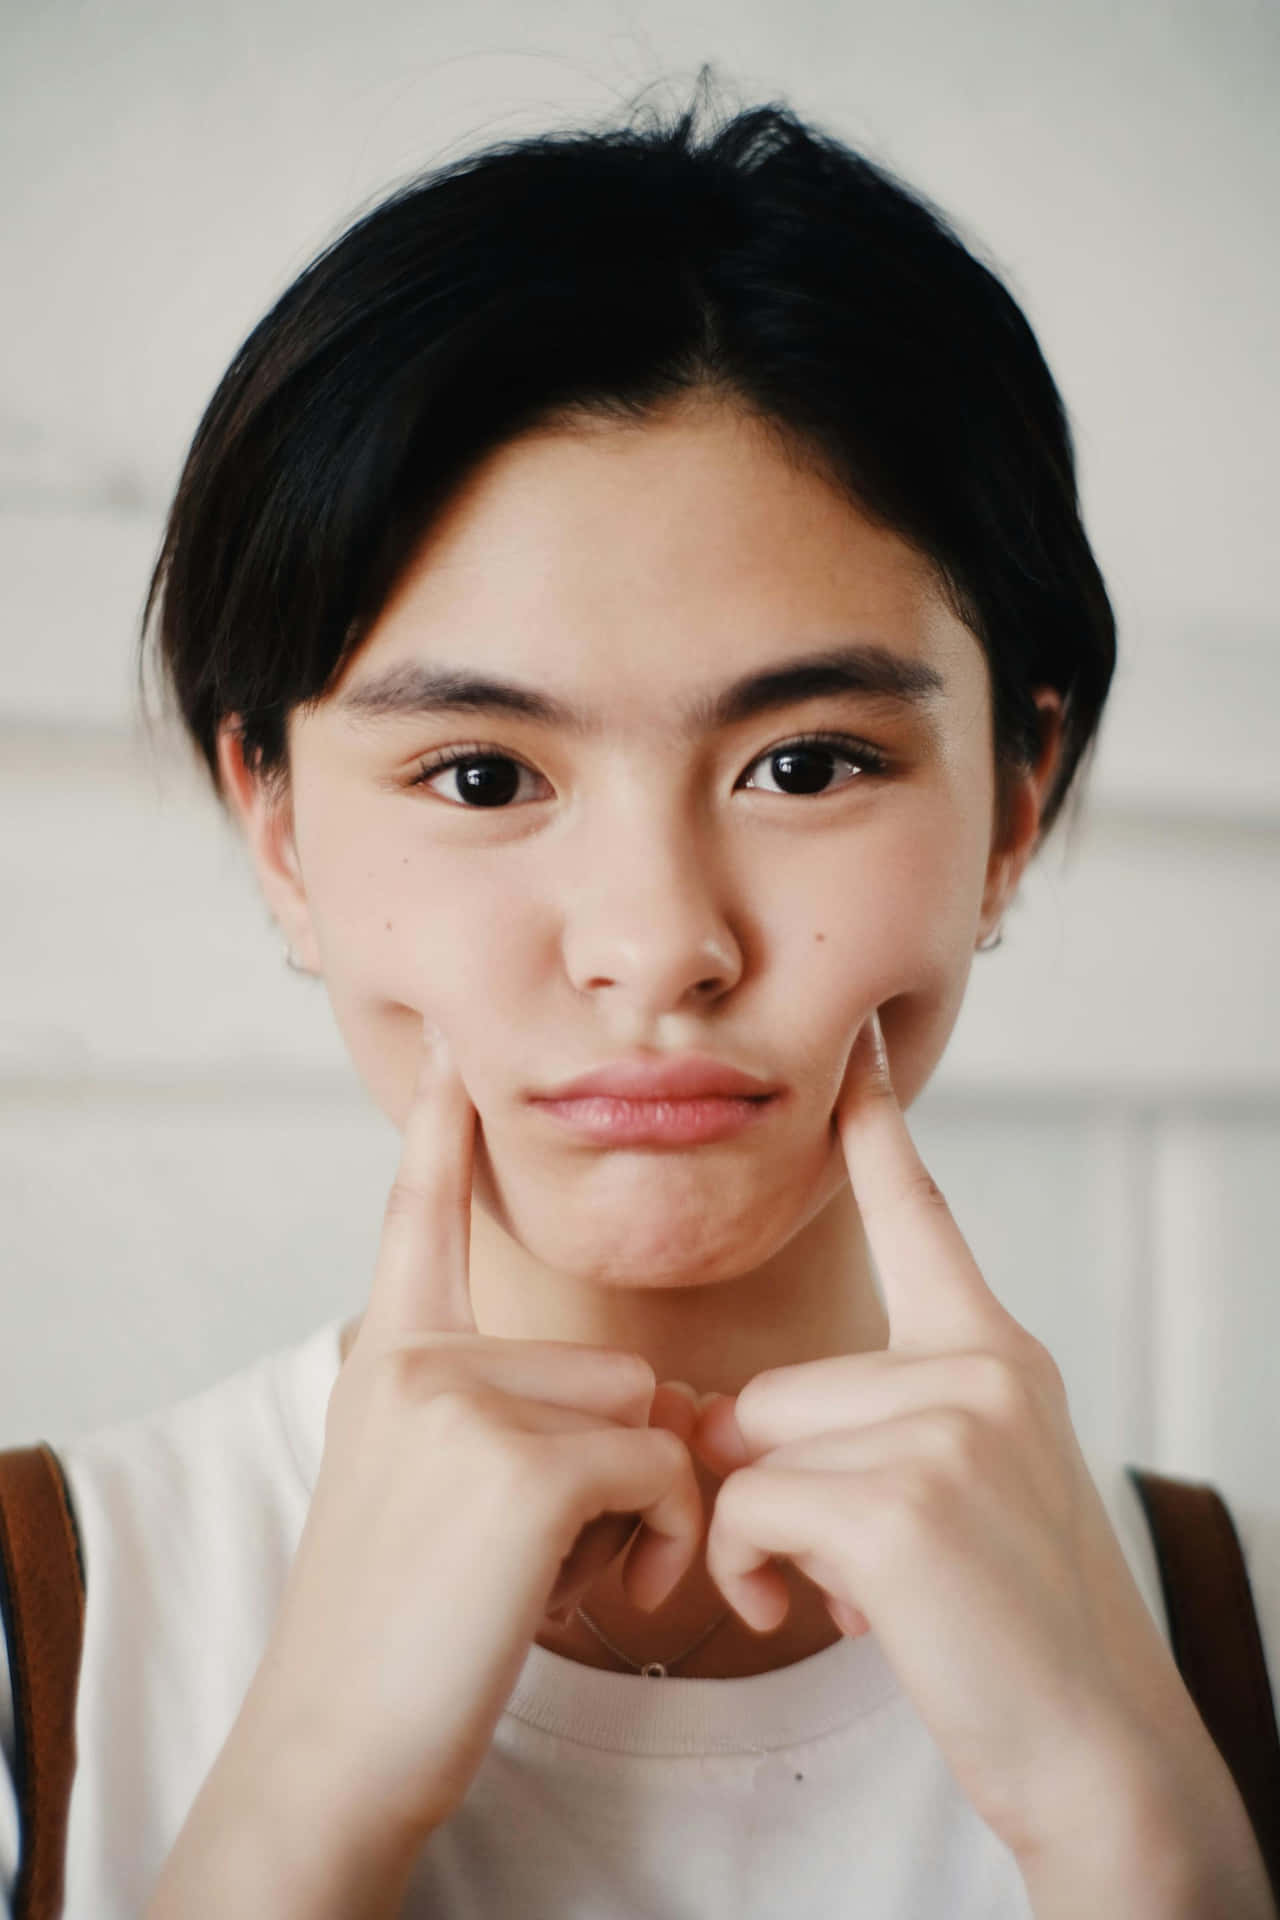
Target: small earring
989,946
295,966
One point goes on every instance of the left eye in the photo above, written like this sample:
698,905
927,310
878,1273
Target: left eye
804,765
488,780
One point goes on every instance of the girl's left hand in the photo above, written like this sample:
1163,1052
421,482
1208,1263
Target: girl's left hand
936,1491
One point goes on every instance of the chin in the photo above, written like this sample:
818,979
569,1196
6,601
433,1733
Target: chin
639,1267
673,1221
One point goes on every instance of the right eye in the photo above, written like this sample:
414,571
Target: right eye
489,779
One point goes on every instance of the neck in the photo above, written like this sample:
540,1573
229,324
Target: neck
814,1297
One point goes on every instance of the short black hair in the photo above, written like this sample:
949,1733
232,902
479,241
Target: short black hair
610,271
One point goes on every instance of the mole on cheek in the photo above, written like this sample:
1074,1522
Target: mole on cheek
819,936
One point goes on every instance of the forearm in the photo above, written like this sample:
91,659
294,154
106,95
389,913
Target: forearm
1153,1882
260,1838
1158,1850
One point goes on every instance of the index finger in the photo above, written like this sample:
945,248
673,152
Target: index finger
934,1291
421,1278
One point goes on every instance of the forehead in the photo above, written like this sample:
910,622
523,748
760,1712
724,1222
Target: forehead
630,570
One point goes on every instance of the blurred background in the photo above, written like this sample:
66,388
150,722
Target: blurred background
190,1173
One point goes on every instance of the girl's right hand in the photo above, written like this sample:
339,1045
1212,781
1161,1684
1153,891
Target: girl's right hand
469,1486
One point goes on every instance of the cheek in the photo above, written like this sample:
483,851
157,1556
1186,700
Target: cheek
899,910
896,934
395,925
401,936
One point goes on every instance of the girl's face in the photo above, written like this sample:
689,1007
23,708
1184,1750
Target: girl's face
652,872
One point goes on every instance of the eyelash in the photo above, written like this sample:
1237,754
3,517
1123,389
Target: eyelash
872,763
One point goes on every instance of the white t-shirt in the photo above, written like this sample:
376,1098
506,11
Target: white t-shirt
814,1790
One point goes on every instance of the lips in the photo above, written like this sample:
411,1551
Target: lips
688,1076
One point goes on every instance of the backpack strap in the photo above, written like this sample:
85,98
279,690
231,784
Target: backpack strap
42,1601
1214,1635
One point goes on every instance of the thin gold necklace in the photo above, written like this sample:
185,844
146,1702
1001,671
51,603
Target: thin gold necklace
651,1669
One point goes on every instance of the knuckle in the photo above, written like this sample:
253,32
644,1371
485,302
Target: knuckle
455,1411
897,1508
1004,1390
407,1375
467,1417
956,1438
377,1391
1039,1374
506,1460
1045,1370
922,1499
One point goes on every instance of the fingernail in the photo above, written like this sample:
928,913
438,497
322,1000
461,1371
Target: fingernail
879,1051
731,1435
725,1436
432,1059
691,1394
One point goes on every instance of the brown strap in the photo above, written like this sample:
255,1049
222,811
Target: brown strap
42,1600
1213,1631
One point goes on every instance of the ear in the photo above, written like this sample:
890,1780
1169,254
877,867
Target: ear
1028,793
264,812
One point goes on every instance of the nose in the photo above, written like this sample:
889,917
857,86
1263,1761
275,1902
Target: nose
651,927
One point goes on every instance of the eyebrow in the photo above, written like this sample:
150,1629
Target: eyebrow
867,669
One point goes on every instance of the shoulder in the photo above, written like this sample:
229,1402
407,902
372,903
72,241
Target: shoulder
188,1519
168,1503
267,1418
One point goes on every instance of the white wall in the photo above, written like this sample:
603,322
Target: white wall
189,1172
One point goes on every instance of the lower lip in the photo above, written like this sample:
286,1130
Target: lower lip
665,1123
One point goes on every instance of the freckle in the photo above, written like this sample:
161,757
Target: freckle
388,926
819,936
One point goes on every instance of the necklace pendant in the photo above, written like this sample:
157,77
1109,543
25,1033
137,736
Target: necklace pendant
654,1670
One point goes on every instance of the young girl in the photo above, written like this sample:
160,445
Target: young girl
630,592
